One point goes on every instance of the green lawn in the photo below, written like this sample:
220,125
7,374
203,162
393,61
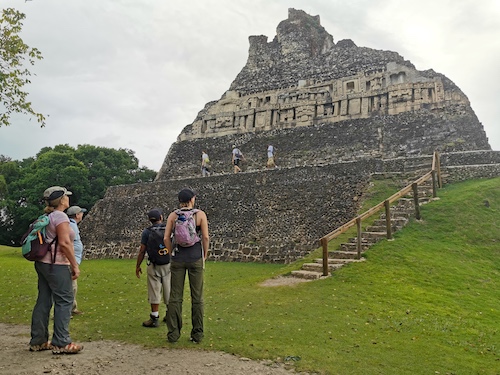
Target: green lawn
426,303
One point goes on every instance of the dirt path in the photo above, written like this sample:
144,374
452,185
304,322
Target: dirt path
112,358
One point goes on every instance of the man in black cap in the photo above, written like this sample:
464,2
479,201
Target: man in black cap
158,265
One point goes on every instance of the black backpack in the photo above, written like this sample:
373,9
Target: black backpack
155,247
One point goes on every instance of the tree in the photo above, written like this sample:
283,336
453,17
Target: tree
86,171
108,167
14,53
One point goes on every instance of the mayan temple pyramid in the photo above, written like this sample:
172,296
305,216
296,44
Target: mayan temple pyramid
336,113
359,102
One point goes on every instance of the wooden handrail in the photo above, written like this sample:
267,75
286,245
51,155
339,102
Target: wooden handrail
435,169
330,236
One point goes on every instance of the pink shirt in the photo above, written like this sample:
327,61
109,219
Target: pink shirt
56,218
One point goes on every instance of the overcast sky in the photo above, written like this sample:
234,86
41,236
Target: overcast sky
132,73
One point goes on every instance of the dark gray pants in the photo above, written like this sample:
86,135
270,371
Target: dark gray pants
54,286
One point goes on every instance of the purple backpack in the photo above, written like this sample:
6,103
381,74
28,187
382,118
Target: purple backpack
185,228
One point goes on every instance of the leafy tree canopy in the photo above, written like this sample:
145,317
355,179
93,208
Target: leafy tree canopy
87,171
14,55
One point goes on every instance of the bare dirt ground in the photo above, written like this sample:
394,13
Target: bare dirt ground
113,358
284,281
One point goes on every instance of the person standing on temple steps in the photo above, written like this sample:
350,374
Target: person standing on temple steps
237,157
205,164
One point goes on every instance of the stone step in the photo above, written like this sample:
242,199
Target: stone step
318,267
340,261
342,254
396,222
425,200
407,204
403,203
372,236
309,275
352,244
382,228
399,214
422,198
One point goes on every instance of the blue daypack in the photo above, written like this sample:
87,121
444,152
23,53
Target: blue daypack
34,243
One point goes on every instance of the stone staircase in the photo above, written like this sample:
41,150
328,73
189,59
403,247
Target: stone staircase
401,213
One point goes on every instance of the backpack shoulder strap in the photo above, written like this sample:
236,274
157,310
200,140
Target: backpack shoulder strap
181,211
55,241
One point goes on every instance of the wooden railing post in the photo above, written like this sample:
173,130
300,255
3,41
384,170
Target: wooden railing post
388,223
438,170
434,183
358,244
414,186
324,244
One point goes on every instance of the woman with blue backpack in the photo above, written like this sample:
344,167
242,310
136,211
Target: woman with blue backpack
187,239
55,270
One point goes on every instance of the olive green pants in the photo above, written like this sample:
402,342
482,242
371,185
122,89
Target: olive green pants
174,313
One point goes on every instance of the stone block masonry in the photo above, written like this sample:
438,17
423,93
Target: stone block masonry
385,137
264,216
269,216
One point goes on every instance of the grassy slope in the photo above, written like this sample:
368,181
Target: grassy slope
427,302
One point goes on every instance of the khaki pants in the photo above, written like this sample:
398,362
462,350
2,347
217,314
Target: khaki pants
158,283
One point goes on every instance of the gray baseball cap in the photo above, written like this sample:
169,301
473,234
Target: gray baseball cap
73,210
55,192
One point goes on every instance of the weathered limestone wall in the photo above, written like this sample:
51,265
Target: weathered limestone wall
406,134
270,216
462,166
264,216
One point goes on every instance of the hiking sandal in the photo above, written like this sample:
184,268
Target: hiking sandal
71,348
37,348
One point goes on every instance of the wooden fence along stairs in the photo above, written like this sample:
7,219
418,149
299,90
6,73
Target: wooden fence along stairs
394,217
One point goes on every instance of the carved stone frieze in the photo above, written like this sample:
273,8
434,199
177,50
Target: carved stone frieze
394,90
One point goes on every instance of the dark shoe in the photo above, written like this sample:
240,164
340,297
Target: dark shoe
194,341
165,319
153,322
76,312
172,337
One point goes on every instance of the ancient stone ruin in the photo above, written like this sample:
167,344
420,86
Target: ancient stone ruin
336,114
